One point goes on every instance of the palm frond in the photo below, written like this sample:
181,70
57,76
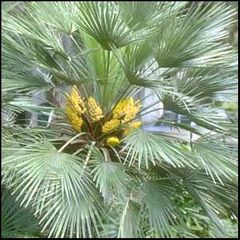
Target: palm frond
215,199
157,197
199,189
130,224
16,221
110,177
148,148
47,180
102,21
216,158
191,40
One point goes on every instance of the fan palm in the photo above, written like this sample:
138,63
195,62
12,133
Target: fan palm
15,220
91,169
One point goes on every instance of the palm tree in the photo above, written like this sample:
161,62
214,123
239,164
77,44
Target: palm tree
89,168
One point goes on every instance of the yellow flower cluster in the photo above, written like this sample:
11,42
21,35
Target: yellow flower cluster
110,125
94,110
123,115
75,107
124,112
126,109
76,100
74,119
113,141
131,126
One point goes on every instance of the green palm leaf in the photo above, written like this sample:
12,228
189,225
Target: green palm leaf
15,220
157,197
148,148
110,177
48,179
102,21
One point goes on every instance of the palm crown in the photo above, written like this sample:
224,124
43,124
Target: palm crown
91,170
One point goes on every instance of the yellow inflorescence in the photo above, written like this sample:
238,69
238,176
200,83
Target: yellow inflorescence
75,107
131,126
110,125
76,100
123,115
136,124
126,109
119,110
113,141
74,119
94,110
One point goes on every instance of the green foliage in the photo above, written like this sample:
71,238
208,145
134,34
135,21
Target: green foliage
67,184
17,221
